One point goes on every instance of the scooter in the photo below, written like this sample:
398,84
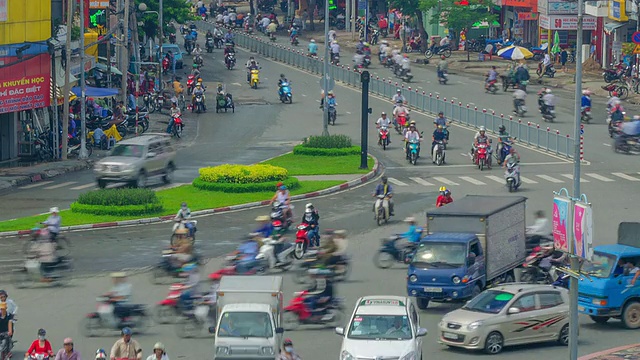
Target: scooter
191,84
285,93
267,255
383,137
548,113
193,322
401,123
440,153
254,80
312,260
199,107
6,345
520,108
297,313
231,269
381,210
278,220
31,273
504,151
230,61
414,148
333,114
168,309
491,87
210,45
176,130
585,114
481,157
406,75
198,61
104,319
389,253
550,71
443,77
512,176
302,240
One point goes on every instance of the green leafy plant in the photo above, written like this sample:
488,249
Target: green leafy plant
75,33
456,16
413,9
125,210
177,10
243,174
327,142
316,151
118,197
290,183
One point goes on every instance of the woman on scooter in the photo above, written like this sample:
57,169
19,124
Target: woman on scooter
284,198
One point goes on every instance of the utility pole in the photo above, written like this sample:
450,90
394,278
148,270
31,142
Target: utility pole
347,8
108,27
354,18
67,82
325,86
364,127
574,261
83,88
124,68
160,41
54,126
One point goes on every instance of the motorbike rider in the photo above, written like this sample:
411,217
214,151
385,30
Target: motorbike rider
628,130
190,284
188,41
548,101
613,99
175,111
406,65
519,97
397,59
331,100
40,346
197,51
178,89
521,74
45,250
321,292
503,137
228,37
440,121
335,50
159,352
53,223
541,228
312,218
481,138
199,90
120,294
283,196
247,251
195,71
512,159
399,110
265,228
398,98
228,50
184,214
585,101
358,59
6,328
313,48
414,233
443,67
383,188
412,135
545,64
384,44
492,78
209,35
271,29
287,352
12,307
438,135
217,34
281,81
444,198
251,64
383,121
126,347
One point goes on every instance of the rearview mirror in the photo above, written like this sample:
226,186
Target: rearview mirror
421,332
340,330
212,330
151,155
513,311
279,330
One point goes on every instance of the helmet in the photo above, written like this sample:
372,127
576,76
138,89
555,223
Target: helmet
184,205
384,179
188,267
502,128
313,41
283,187
412,122
126,331
615,93
440,113
2,292
443,57
398,90
282,76
447,192
548,91
366,44
101,354
68,341
42,332
158,346
287,341
586,92
442,189
410,219
482,128
330,92
309,206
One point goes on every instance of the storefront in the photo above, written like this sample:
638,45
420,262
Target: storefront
521,17
562,17
617,30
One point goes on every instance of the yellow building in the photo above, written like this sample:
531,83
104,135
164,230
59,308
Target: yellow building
26,21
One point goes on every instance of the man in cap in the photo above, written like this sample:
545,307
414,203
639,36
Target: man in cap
120,294
126,347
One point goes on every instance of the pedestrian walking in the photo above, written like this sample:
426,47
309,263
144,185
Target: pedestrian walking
564,55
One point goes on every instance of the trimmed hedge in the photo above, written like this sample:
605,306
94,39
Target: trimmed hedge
270,186
118,197
327,142
124,210
243,174
310,151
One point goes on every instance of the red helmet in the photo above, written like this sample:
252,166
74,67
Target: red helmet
615,93
216,276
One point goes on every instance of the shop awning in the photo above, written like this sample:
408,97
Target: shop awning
612,26
60,81
103,68
96,92
60,95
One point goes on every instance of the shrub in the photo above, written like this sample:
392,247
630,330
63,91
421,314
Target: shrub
311,151
124,210
118,197
270,186
327,142
243,174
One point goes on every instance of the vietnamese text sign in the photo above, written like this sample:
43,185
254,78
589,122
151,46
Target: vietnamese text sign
527,16
583,230
4,11
566,22
98,4
25,93
560,223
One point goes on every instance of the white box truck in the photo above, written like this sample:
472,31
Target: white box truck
249,318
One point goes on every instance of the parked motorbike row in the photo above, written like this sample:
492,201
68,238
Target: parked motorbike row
403,74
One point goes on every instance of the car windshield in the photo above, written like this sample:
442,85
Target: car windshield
128,150
440,255
490,301
600,265
245,324
380,327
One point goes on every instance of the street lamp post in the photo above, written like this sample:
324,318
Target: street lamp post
83,86
325,86
143,8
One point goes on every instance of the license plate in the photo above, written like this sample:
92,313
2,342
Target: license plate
450,336
433,289
580,308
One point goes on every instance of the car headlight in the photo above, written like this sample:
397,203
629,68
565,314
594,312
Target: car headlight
267,350
456,280
345,355
129,167
98,167
413,278
222,350
409,356
474,325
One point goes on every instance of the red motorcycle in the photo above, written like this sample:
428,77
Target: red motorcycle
178,125
302,240
166,310
231,269
383,137
165,65
191,83
297,313
401,122
481,157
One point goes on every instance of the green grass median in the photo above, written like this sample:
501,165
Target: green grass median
298,165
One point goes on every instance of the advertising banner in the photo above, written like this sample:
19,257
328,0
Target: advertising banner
560,223
583,230
566,22
26,85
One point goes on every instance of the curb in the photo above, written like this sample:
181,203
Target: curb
353,183
45,174
607,352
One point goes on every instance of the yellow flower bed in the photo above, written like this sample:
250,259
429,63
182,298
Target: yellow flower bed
243,174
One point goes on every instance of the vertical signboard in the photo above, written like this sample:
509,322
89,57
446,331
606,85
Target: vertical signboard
583,230
4,11
560,223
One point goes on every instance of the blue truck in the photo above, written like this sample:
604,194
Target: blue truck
608,292
471,243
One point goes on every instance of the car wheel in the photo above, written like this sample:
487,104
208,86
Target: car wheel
141,182
168,174
422,303
494,343
631,315
563,338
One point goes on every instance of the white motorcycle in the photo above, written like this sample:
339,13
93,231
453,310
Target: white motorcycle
381,209
193,322
439,153
31,273
267,254
182,224
512,176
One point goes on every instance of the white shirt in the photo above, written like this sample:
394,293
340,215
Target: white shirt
406,64
400,110
547,60
519,94
412,135
225,19
444,41
384,122
549,99
199,4
358,59
397,58
265,22
123,290
540,227
398,98
233,16
153,357
53,223
219,18
335,48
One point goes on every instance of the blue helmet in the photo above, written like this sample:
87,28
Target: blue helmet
319,272
126,331
188,267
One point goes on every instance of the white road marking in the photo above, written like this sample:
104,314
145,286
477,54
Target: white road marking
236,84
61,185
41,183
609,145
549,178
303,95
570,177
445,181
599,177
472,180
527,180
397,182
495,178
625,176
348,112
82,187
421,181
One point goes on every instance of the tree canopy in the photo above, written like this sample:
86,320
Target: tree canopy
178,10
458,14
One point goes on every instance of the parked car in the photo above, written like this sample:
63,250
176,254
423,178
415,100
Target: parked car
175,50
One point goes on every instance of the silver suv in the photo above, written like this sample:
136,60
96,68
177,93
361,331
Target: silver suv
135,160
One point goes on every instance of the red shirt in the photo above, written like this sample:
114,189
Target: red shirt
36,349
443,200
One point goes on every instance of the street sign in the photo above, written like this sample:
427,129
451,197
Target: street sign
581,131
635,38
581,126
636,51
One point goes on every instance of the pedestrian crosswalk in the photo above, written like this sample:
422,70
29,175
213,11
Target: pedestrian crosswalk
77,186
484,180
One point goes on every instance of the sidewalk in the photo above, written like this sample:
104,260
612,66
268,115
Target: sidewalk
629,352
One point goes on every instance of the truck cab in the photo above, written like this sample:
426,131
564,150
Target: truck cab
608,293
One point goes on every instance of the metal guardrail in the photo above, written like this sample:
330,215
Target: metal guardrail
527,132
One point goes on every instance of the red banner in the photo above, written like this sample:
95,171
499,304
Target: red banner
528,16
25,85
532,4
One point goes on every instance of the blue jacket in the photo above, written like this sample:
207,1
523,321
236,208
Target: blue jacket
249,250
413,234
439,135
266,230
380,189
586,101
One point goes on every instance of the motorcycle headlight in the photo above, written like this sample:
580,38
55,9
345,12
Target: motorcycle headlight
345,355
267,350
474,325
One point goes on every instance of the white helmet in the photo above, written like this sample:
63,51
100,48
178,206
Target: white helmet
482,128
309,205
313,41
158,346
548,91
586,92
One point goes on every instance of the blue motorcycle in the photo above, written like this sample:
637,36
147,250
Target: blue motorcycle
285,93
389,253
504,151
414,149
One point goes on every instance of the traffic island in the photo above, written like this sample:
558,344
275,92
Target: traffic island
619,353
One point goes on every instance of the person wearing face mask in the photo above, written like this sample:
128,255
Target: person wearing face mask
312,218
287,352
158,352
126,347
40,346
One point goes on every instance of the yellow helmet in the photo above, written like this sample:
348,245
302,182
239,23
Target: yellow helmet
443,189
